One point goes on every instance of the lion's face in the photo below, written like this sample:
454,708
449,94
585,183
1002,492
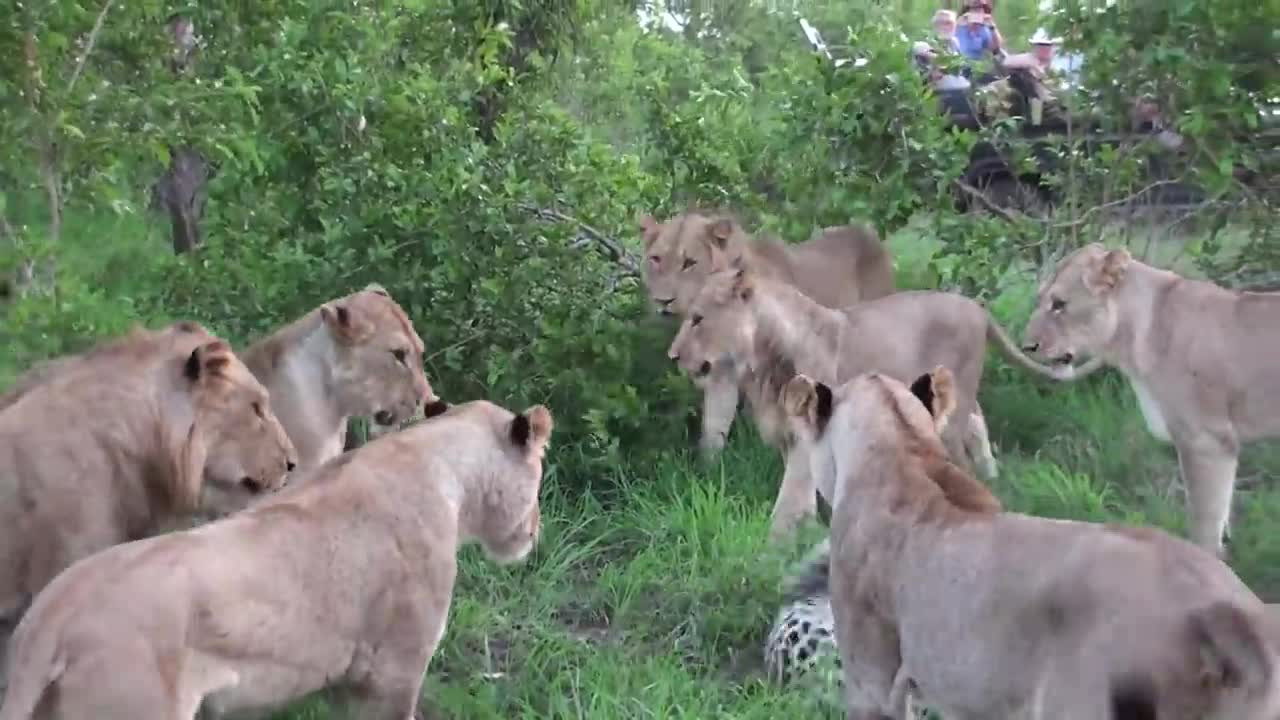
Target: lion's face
505,450
1076,310
719,329
378,364
679,255
246,450
822,418
517,545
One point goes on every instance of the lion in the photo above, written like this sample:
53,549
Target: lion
119,441
993,614
837,267
1203,361
356,355
760,332
51,367
353,592
353,356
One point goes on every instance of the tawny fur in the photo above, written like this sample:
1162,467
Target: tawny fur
995,614
760,331
342,581
322,369
1203,361
837,267
121,440
339,361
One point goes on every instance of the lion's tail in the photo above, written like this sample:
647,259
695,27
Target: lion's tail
1011,352
41,666
813,577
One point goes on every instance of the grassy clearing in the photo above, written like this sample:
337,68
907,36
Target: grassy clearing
653,601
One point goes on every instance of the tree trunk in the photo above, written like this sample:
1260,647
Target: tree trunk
180,193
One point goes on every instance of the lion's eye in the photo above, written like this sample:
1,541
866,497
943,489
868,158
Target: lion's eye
695,321
1057,305
401,355
688,263
257,409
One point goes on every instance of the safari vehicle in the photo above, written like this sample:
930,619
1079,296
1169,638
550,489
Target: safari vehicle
990,171
1006,183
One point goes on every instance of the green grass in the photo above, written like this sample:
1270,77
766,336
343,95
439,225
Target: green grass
652,599
655,601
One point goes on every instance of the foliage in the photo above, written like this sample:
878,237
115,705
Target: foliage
456,151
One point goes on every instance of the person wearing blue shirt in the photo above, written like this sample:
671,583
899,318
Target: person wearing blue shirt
977,34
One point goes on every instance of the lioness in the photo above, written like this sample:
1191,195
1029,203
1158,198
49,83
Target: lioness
837,267
1204,362
344,580
759,332
991,614
353,356
144,427
45,369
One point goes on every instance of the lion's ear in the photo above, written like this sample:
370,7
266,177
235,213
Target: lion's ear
378,289
341,321
1232,654
797,395
532,428
936,390
717,243
648,230
432,409
1106,272
744,283
719,233
207,360
803,396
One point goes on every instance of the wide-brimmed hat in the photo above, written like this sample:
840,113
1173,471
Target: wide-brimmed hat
1042,38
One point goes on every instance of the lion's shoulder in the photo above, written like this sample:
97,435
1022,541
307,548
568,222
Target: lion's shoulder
111,360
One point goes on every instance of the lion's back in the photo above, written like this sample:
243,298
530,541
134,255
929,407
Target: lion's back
842,265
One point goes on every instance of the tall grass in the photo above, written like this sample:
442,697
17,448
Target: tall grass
653,602
652,599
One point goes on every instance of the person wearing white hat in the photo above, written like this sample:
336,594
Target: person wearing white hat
1043,46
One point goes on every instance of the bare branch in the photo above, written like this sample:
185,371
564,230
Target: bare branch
88,45
1012,216
1077,222
612,248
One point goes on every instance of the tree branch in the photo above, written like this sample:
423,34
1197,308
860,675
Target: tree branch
613,249
1114,203
1008,215
88,45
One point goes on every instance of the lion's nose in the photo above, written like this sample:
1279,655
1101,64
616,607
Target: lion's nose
673,356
